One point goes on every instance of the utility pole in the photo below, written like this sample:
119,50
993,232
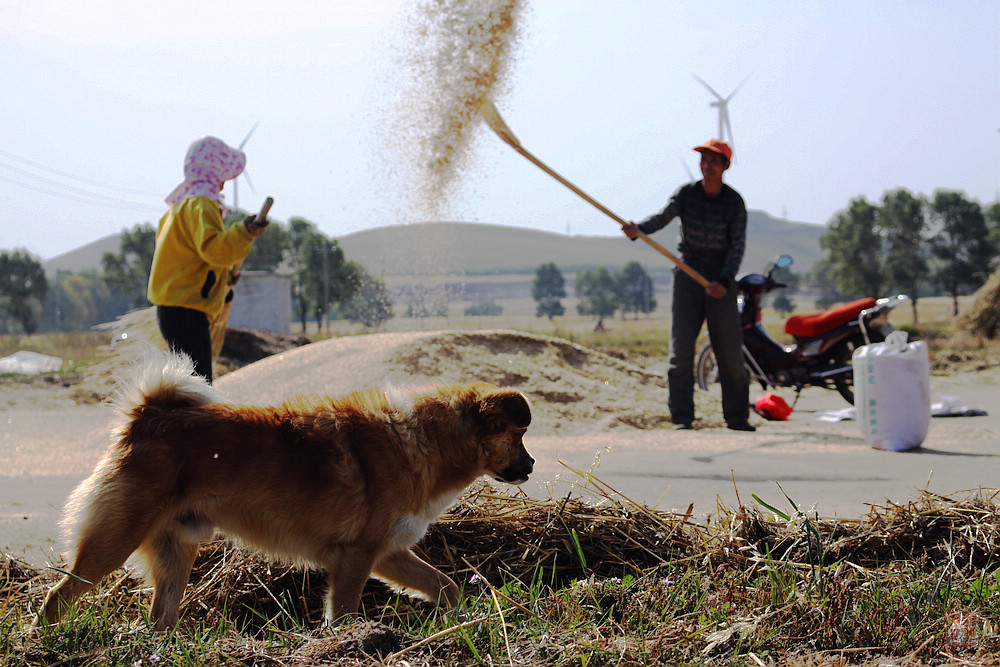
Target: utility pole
326,250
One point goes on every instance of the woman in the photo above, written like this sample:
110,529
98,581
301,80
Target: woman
191,276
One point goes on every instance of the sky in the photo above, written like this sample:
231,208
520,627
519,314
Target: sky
838,100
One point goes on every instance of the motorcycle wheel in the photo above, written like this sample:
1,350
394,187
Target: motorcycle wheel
706,372
842,356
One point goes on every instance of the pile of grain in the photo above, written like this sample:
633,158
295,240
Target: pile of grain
983,318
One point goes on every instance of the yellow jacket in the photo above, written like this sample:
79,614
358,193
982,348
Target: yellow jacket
194,255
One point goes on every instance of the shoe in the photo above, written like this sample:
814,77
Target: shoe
683,426
742,426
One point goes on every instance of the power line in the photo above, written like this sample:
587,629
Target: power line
88,198
81,179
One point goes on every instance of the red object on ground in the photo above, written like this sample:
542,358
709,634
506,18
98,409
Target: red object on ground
773,407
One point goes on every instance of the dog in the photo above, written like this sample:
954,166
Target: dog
347,485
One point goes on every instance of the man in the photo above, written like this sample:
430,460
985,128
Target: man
712,240
191,277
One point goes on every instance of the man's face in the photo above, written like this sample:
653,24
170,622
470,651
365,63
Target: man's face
712,165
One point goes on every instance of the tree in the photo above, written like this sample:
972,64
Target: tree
23,286
323,277
127,273
418,307
484,307
268,251
635,290
547,290
371,305
960,244
855,248
820,281
597,292
903,224
76,302
993,222
782,301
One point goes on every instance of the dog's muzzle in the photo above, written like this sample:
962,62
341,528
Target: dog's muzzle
517,473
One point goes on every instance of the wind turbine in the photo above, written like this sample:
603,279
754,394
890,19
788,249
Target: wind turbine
691,178
722,103
236,194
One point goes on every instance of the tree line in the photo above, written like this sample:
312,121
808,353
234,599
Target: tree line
325,284
946,244
943,245
600,292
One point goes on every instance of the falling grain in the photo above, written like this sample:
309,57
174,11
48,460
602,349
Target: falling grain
451,56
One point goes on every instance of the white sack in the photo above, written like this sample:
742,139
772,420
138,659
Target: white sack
892,392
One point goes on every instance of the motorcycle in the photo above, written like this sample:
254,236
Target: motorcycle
824,342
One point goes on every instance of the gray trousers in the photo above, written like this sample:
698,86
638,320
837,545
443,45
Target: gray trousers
693,306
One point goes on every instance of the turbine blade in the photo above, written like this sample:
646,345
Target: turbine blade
246,175
247,138
686,168
737,88
710,89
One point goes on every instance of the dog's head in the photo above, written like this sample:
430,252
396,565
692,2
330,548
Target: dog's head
505,416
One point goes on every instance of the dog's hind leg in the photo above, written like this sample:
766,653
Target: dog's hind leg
170,560
404,570
100,551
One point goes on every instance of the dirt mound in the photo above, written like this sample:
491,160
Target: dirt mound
569,385
572,388
245,346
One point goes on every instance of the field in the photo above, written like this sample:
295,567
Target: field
563,582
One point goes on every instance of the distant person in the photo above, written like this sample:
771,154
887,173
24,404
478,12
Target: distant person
712,240
191,276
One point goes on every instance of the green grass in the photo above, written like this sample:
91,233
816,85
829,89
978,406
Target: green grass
77,349
731,600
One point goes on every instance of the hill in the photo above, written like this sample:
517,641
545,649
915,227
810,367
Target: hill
84,258
442,249
474,249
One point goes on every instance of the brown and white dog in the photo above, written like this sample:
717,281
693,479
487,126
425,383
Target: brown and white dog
346,484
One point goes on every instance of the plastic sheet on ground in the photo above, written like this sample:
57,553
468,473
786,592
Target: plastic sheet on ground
945,406
29,363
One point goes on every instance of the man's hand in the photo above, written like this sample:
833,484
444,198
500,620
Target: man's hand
253,227
631,230
716,290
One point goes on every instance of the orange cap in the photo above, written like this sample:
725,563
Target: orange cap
716,146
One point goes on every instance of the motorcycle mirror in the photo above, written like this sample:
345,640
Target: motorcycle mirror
783,261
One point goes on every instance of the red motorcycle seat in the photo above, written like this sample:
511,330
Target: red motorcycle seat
810,326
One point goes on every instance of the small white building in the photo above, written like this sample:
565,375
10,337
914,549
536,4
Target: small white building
262,300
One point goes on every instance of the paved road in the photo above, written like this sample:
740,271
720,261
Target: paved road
44,452
823,465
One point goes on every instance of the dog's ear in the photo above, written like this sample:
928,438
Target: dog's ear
501,408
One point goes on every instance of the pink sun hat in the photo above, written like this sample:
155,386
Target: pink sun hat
208,164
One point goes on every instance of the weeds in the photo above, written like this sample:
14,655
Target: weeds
639,588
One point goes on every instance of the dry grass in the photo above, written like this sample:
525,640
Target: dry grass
564,582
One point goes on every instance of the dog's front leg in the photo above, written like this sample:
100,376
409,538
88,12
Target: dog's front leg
346,578
404,569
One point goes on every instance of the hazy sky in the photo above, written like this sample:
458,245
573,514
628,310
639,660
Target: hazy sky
101,99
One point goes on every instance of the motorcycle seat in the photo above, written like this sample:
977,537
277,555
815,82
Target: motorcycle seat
810,326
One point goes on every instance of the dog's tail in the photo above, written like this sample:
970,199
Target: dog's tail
159,379
164,380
